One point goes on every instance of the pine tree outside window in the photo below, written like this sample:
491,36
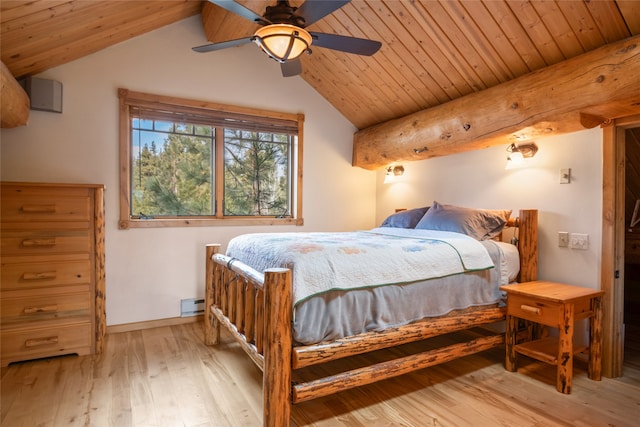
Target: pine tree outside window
192,163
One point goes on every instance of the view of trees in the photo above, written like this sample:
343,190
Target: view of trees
172,174
256,173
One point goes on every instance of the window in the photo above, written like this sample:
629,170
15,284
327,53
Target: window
192,163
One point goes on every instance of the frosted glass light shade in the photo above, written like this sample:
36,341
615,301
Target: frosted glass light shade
282,42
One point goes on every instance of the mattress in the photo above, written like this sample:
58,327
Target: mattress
339,313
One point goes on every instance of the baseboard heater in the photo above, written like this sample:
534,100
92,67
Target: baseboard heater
191,307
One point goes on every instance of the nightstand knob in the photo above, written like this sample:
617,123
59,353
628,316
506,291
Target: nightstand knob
530,309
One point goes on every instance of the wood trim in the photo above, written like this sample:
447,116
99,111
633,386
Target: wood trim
149,324
125,155
300,174
133,97
613,238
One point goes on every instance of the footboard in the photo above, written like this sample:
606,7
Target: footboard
257,310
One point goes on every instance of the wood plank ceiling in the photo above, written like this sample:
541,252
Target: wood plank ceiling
433,51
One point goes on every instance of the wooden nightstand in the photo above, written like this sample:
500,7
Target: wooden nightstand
558,306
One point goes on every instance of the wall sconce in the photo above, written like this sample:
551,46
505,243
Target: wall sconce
392,172
395,170
517,154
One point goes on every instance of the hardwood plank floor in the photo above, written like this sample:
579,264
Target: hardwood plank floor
167,377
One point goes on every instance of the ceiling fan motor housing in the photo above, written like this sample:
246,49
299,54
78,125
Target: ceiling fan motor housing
283,13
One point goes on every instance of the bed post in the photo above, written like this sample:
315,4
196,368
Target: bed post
277,347
211,324
528,245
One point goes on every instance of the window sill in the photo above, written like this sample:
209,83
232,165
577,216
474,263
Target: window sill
208,222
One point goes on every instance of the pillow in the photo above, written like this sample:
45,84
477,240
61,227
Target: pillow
481,224
405,219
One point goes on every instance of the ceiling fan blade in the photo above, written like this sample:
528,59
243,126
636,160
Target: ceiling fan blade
238,9
291,68
346,43
315,10
223,45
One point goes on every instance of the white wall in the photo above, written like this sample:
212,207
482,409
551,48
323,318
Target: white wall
478,179
150,270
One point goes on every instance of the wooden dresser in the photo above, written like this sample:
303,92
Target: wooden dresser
52,291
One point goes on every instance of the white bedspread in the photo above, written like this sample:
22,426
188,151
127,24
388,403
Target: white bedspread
328,261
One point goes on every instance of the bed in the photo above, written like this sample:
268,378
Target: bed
263,307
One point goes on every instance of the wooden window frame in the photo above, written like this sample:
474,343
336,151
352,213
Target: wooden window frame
130,98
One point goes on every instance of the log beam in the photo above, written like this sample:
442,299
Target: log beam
602,83
14,105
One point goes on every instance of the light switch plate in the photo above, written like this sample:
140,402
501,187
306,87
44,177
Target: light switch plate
565,176
563,239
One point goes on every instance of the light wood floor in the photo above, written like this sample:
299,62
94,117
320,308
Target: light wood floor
167,377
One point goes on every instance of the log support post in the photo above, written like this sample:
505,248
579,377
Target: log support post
211,324
277,347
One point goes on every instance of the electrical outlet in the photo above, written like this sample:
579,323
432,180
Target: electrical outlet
579,241
563,239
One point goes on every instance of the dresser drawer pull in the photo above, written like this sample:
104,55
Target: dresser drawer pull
41,341
39,208
530,309
40,276
45,309
47,241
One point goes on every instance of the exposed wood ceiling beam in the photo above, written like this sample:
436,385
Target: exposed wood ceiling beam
14,105
602,83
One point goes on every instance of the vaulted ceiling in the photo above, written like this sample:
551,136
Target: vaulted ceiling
432,51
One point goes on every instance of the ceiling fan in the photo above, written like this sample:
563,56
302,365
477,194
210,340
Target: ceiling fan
282,34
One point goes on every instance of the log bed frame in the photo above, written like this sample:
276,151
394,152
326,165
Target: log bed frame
256,309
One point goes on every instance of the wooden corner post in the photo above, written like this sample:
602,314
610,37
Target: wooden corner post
528,245
211,324
277,347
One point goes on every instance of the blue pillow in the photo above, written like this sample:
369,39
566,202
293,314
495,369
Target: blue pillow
405,219
481,224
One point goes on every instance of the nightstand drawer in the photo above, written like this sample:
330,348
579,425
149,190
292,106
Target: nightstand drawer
26,275
543,312
45,342
30,309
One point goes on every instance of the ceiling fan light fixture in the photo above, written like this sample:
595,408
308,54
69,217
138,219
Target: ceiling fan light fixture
283,42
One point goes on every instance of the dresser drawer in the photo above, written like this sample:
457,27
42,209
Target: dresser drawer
45,241
28,275
37,308
28,344
26,204
543,312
